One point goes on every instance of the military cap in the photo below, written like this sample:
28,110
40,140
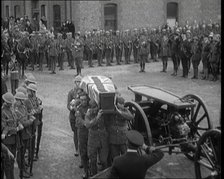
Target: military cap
117,31
21,89
135,138
32,87
8,97
31,79
78,32
59,34
20,95
188,31
177,30
68,33
107,32
195,38
164,30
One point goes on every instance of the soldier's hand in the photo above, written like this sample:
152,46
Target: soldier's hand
3,136
100,112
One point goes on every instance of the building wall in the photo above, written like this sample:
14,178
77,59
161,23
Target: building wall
88,15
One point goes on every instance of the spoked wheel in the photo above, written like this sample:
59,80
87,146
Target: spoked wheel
199,120
208,155
140,121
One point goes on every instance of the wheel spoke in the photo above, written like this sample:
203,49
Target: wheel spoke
202,128
207,156
213,149
201,118
196,112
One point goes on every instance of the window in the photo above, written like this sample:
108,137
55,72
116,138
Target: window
110,17
57,17
172,13
17,11
42,11
7,11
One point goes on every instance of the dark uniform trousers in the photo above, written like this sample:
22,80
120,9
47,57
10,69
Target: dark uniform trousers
70,58
136,54
14,77
61,60
205,63
34,58
83,142
53,60
41,59
118,51
99,56
97,142
195,63
108,56
89,56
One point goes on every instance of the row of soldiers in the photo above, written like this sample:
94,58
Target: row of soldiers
104,45
21,128
98,137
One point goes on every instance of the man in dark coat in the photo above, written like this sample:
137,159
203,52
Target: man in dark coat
131,165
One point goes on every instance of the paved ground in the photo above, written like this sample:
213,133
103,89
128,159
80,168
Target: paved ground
57,159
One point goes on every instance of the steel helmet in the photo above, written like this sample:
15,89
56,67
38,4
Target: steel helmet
31,79
32,87
20,95
21,89
8,97
78,78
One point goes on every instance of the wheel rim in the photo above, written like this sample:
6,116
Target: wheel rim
208,155
139,120
199,118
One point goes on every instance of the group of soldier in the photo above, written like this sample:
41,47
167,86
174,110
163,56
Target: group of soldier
21,128
186,44
98,137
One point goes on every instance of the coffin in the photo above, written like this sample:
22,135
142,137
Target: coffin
101,89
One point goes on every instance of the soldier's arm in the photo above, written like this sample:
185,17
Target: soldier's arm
79,120
125,113
69,99
91,122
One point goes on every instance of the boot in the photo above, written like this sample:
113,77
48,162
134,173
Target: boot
196,73
143,67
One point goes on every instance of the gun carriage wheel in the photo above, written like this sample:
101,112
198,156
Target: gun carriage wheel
199,120
208,155
140,121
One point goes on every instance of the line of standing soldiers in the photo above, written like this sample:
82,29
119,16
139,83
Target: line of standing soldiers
21,120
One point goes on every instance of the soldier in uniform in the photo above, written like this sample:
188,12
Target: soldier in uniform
118,47
34,108
41,49
83,132
68,43
185,53
26,120
53,53
204,57
154,45
214,55
34,50
99,48
61,51
98,137
117,127
174,41
90,49
196,56
72,102
136,45
14,74
108,48
143,55
79,48
127,46
10,127
112,38
164,49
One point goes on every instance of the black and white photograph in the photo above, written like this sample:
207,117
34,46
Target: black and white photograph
111,89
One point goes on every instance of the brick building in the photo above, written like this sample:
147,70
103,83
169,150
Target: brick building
114,14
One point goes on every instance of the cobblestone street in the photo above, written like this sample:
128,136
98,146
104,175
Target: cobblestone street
56,156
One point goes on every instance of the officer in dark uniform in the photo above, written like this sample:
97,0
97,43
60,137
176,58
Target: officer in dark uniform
112,39
98,137
83,132
205,57
53,53
34,50
196,56
41,50
164,49
133,165
154,45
